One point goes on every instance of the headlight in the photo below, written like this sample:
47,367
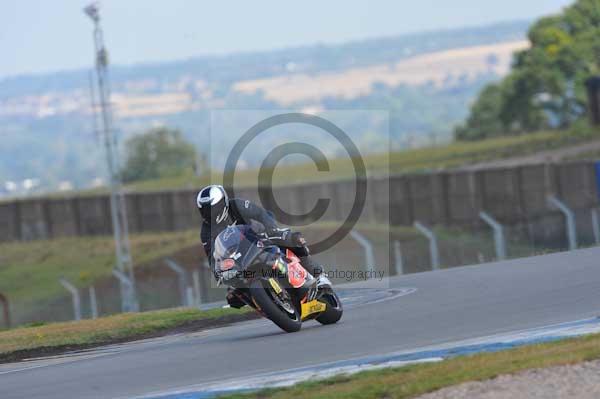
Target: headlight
226,264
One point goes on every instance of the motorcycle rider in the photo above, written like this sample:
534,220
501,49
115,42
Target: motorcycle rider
218,212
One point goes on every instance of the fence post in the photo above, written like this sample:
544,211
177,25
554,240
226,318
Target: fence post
189,296
129,303
5,305
499,241
93,303
196,280
368,248
205,281
75,295
181,276
434,251
570,218
596,226
398,259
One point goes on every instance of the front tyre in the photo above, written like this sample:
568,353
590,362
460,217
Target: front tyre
285,315
334,310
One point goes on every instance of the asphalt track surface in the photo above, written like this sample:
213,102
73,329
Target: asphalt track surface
448,305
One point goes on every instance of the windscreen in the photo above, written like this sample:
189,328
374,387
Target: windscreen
237,243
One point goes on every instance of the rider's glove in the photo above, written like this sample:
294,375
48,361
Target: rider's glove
286,238
298,239
278,234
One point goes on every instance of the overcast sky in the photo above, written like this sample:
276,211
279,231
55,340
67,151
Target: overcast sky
50,35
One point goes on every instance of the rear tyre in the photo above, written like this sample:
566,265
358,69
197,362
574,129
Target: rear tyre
334,310
264,296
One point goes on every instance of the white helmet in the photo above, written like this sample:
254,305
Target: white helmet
213,204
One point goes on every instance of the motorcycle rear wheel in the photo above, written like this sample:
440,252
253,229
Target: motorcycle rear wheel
263,295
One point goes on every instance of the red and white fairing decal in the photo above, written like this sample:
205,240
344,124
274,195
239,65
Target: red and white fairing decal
296,273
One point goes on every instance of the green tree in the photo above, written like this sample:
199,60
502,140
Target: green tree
484,119
159,152
545,87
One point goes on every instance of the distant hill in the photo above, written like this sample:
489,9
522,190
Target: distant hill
426,81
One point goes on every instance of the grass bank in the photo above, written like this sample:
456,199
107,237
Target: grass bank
53,338
29,271
424,159
412,381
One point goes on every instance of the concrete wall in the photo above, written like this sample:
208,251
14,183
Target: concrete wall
512,195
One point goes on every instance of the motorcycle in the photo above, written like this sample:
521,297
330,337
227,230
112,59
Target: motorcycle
272,281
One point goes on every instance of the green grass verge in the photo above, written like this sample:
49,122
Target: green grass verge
29,270
411,381
118,328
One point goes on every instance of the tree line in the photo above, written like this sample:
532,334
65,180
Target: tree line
546,86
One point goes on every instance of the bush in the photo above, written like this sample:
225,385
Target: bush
159,152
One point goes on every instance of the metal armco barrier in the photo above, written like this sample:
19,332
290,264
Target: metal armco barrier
6,309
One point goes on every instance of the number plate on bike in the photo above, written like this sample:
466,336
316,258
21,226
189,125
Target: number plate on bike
311,307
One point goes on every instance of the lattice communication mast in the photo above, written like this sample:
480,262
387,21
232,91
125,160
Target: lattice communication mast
117,200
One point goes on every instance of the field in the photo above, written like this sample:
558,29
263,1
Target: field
433,68
412,381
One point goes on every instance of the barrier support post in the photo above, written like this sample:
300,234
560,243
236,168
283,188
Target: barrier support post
434,251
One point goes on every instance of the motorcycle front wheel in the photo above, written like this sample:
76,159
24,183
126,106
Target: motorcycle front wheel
334,310
283,314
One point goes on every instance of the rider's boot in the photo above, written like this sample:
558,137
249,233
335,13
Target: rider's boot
315,269
233,298
303,253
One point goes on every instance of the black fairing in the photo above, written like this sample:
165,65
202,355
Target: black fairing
246,248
